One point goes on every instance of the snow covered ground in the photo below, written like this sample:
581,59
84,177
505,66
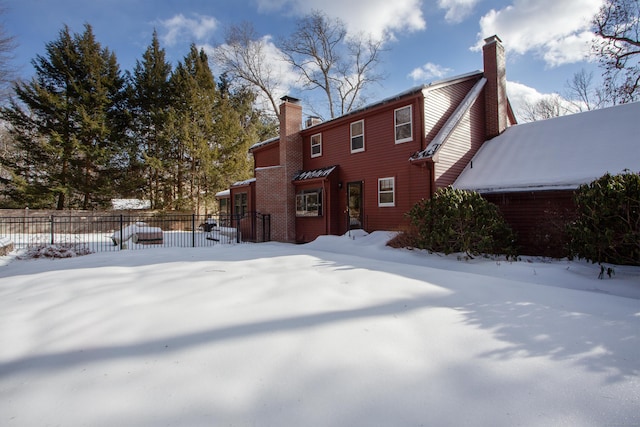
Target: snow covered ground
338,332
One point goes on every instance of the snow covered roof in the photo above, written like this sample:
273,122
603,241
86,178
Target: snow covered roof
263,143
243,183
560,153
223,193
130,204
316,173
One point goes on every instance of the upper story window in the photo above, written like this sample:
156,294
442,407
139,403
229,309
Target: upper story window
316,145
404,127
357,136
386,192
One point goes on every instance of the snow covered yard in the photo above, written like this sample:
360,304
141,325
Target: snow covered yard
337,332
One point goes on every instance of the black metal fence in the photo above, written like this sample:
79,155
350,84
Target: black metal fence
104,232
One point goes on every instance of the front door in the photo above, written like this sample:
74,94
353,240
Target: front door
354,205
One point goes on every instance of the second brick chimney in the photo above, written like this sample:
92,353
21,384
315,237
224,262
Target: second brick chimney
496,105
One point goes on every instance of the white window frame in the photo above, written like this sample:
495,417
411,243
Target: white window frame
397,125
392,192
309,203
318,145
357,150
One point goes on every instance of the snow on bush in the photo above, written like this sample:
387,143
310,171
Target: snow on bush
60,250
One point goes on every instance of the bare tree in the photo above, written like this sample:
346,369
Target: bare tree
617,27
546,108
245,56
7,71
328,59
584,96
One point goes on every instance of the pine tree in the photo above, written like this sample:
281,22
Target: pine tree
69,124
150,101
194,100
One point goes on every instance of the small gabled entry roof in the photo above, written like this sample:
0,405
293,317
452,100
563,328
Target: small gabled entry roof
314,174
557,154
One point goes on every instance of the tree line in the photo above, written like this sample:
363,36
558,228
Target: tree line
84,132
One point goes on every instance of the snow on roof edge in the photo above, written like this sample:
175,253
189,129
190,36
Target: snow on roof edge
452,122
559,153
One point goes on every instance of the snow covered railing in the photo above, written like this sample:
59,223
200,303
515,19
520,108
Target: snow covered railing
101,231
6,245
139,232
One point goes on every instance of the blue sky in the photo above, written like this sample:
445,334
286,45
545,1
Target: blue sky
546,40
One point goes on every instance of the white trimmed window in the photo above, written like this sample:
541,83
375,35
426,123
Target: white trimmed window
316,145
357,136
309,202
403,125
386,192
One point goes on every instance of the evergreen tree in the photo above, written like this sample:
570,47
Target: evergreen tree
192,116
69,124
150,101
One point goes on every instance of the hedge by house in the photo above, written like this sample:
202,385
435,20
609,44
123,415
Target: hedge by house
607,228
460,221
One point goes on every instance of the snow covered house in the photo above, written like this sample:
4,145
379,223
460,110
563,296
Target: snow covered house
367,168
532,170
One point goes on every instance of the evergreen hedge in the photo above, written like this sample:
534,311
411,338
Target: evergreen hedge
460,221
607,228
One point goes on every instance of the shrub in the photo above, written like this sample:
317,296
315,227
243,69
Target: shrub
607,228
61,250
460,221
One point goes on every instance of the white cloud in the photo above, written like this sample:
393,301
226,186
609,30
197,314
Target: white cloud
521,96
380,18
179,26
457,10
429,71
556,30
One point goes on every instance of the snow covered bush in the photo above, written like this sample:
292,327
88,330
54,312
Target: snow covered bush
61,250
460,221
607,228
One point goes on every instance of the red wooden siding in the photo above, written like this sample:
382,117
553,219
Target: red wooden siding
461,145
246,224
266,156
382,158
440,103
538,218
309,228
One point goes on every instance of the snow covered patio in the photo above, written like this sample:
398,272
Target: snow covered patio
311,335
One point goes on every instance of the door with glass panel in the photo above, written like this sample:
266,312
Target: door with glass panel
354,205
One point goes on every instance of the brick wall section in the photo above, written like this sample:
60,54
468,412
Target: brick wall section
271,199
496,87
291,162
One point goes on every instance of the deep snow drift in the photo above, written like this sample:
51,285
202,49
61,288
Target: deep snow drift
338,332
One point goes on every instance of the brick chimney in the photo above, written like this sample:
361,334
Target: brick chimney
290,159
496,88
275,192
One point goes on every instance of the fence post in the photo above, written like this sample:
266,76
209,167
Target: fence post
193,230
237,228
121,231
51,228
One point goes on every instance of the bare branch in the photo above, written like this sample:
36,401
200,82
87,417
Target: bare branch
617,27
244,56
